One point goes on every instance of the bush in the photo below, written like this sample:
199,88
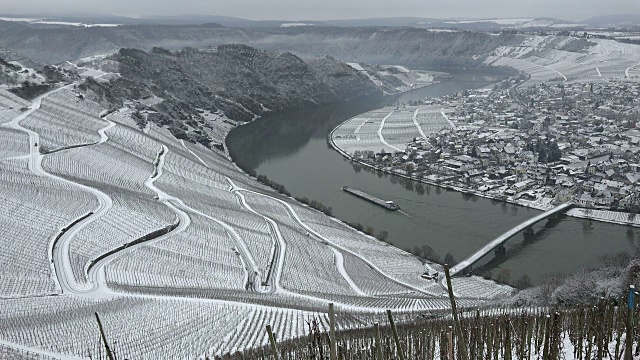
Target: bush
316,205
504,276
382,235
449,259
30,91
369,230
274,185
523,283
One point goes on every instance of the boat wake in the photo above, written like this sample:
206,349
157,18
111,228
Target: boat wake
407,215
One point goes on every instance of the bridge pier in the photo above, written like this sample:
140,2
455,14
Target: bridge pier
497,244
528,230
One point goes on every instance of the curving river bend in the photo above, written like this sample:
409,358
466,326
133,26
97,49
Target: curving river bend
291,148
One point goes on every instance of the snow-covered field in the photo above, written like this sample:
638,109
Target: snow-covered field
546,59
389,129
53,22
180,253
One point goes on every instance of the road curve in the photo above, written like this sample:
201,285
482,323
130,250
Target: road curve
96,274
59,246
381,137
254,274
332,244
279,246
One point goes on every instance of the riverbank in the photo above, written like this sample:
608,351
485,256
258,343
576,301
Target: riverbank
430,266
291,149
607,216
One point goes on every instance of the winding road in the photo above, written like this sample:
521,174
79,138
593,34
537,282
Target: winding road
337,247
381,137
254,275
280,247
271,281
95,271
59,246
96,285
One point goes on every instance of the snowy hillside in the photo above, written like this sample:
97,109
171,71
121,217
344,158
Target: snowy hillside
569,59
180,253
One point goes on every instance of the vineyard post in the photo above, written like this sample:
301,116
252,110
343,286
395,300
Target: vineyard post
395,335
523,337
629,340
272,340
507,340
530,332
488,338
332,332
104,339
450,343
478,341
456,322
599,329
547,330
376,327
580,341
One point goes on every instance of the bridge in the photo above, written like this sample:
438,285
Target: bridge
498,242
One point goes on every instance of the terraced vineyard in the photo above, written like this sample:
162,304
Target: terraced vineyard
180,253
543,58
389,129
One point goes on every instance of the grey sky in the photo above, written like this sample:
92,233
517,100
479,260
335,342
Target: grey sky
330,9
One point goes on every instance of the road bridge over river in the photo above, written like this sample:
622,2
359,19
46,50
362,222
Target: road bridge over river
498,242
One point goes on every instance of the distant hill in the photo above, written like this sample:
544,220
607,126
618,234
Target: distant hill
238,80
235,22
404,46
227,21
631,20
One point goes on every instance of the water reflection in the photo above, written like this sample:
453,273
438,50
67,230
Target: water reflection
278,135
514,248
291,149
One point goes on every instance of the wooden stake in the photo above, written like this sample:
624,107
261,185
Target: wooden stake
630,308
395,336
332,333
547,331
104,339
272,340
450,344
456,322
376,328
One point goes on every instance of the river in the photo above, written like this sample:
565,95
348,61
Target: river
291,148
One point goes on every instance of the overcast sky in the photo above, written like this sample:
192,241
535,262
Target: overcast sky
329,9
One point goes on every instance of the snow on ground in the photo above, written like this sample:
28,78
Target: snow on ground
10,106
33,209
50,22
616,217
179,252
543,59
389,129
286,25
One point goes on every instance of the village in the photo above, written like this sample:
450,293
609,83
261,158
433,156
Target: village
535,146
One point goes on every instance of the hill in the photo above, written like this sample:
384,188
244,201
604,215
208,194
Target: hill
181,254
241,82
402,46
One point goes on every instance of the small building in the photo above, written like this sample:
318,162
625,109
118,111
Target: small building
522,185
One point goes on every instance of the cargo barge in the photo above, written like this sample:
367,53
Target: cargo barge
389,205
